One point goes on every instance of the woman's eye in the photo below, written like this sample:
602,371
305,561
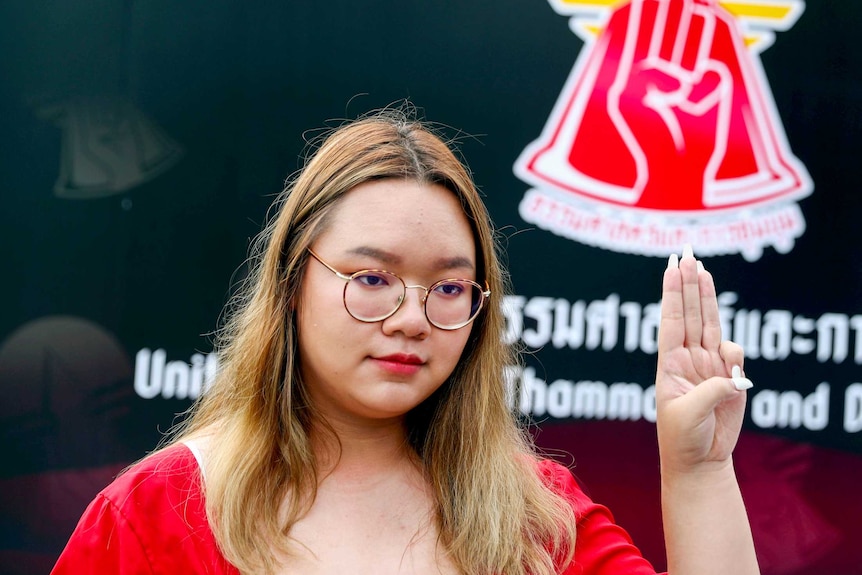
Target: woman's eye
450,289
372,280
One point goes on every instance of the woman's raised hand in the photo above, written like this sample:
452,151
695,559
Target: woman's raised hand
700,389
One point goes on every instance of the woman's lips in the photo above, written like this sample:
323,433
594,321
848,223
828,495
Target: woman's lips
399,363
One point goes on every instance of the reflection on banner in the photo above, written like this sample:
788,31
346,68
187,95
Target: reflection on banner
109,147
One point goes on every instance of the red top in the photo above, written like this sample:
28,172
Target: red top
151,520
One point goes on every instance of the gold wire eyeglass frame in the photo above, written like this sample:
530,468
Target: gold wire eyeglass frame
483,293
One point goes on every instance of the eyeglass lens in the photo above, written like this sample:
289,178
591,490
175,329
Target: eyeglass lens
375,295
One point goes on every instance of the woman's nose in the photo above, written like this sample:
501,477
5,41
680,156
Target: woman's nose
410,319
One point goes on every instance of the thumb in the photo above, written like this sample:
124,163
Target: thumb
705,396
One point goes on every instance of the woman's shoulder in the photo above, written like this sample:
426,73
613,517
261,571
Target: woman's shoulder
602,547
553,470
160,494
150,519
172,471
560,479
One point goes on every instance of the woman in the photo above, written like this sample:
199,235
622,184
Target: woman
359,422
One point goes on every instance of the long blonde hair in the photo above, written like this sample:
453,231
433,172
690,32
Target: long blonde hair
495,513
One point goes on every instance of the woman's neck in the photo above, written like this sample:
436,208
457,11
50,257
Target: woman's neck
363,451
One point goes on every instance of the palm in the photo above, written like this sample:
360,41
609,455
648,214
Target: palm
697,425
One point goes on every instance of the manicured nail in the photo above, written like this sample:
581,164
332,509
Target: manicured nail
700,267
673,262
687,251
739,382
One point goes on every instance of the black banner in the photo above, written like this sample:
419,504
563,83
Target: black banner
143,143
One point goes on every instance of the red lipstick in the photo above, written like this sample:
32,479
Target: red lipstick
399,363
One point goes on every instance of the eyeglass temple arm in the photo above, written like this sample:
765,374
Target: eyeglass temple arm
345,277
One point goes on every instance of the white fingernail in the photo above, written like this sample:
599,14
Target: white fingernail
700,267
687,251
673,262
739,382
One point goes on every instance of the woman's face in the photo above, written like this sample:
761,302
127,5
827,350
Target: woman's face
355,371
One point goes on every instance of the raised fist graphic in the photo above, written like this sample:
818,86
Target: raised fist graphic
669,112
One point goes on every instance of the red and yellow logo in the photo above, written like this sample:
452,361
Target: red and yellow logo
666,132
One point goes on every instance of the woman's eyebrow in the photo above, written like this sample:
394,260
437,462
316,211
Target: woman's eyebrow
457,262
382,255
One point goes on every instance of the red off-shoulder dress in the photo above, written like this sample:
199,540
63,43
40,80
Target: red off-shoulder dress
151,521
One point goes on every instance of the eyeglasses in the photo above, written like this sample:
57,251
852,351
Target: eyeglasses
374,295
